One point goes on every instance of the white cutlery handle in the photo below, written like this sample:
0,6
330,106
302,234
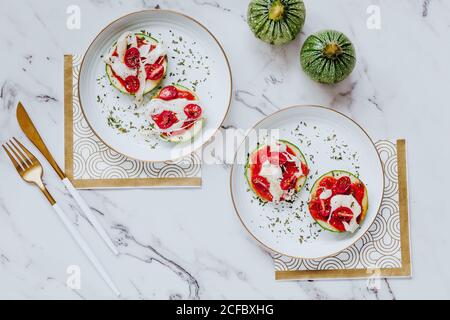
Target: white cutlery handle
90,216
86,249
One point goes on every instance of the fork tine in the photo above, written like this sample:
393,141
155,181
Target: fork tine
21,161
13,160
28,153
19,151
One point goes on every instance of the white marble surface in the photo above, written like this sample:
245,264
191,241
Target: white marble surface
195,247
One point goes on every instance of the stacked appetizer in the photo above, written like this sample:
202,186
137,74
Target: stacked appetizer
176,113
136,64
338,201
277,171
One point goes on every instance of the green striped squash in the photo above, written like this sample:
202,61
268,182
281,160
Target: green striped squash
276,21
328,56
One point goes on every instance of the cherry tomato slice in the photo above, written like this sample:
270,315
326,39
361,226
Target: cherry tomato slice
154,71
261,185
344,213
320,209
168,93
165,119
290,151
327,182
160,59
132,58
132,84
336,222
342,185
358,191
288,182
305,169
193,111
290,168
185,95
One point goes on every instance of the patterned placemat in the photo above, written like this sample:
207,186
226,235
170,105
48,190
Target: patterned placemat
89,163
384,250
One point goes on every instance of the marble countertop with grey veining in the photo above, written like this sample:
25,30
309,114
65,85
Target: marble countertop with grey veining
171,250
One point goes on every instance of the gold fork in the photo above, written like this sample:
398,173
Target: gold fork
30,169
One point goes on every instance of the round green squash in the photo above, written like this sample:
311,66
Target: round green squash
328,56
276,21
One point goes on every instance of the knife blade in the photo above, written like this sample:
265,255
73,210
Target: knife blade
27,126
31,132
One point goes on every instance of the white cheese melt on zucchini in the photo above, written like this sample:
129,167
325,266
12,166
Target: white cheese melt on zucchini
118,65
347,201
273,174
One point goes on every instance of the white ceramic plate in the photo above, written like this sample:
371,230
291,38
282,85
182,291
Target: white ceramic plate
196,60
329,140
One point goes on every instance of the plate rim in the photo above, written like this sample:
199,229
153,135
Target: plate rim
201,26
233,167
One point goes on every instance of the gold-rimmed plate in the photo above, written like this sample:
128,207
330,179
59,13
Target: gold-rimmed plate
330,141
196,61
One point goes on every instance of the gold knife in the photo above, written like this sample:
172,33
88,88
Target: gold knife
31,132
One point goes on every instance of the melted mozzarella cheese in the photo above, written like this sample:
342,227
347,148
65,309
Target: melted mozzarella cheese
120,68
273,174
153,55
347,201
122,44
326,193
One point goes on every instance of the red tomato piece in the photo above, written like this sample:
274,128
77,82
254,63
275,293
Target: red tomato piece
132,58
289,150
168,93
340,215
344,213
358,191
305,169
288,182
342,185
154,71
132,84
327,182
140,41
185,95
314,208
261,185
290,168
193,111
320,209
165,119
336,222
160,60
